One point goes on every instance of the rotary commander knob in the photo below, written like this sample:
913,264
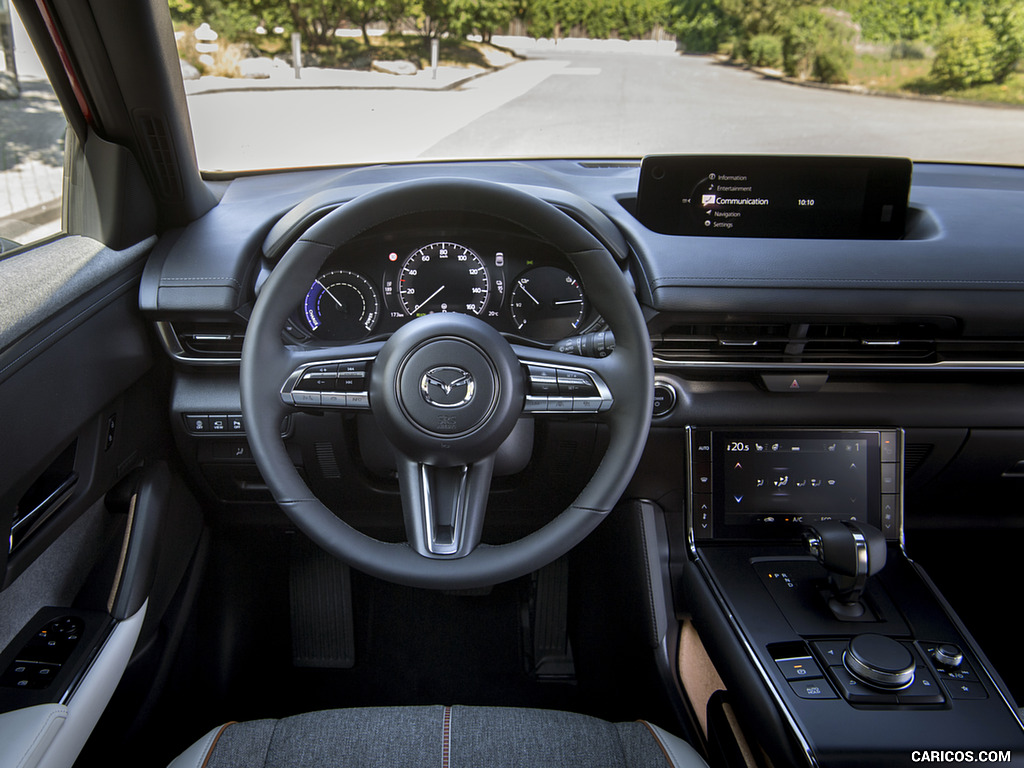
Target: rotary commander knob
880,661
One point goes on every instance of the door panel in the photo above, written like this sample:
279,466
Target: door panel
80,408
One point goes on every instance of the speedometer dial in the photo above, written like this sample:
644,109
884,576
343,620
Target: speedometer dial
443,277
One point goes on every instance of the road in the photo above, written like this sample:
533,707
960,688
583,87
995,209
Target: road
571,103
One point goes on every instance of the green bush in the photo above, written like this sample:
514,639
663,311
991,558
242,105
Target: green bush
966,55
816,45
832,64
765,51
1006,20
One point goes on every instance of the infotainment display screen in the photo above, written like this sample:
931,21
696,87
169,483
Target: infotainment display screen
777,478
770,483
776,196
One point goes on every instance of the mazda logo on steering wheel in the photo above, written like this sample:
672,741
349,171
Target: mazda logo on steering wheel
447,386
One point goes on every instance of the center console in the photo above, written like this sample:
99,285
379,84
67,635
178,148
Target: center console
799,576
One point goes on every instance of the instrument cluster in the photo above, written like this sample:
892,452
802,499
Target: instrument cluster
369,287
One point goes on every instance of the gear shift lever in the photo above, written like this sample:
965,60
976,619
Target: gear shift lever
850,552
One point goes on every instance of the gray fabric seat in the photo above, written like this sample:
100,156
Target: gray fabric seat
448,737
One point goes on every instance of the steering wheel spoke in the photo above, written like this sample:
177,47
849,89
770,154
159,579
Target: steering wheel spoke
333,377
444,506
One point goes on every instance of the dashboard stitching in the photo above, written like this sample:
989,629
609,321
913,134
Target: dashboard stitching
193,279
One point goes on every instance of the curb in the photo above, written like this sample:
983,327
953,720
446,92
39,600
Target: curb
256,84
861,90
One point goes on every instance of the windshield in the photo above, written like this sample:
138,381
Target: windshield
327,83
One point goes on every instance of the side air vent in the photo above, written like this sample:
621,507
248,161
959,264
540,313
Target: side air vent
203,343
908,342
156,140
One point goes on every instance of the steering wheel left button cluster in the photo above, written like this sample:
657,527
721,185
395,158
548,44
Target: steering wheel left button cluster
335,384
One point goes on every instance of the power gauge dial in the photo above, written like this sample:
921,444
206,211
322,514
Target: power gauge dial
547,304
341,305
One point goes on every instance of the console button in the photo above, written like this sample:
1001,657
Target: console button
812,689
890,505
856,692
887,442
219,423
889,484
702,478
29,674
236,424
799,668
197,423
924,690
794,382
831,650
701,448
664,399
235,450
965,689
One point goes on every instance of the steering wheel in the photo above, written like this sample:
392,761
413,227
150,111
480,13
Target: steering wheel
446,390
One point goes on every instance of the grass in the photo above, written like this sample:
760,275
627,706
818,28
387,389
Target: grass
911,76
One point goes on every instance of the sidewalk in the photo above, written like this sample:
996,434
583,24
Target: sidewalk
315,78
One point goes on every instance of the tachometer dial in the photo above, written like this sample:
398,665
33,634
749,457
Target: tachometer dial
547,304
341,305
443,277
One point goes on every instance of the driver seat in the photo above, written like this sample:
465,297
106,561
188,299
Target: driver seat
448,737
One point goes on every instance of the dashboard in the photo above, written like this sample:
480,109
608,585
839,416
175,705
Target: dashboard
372,286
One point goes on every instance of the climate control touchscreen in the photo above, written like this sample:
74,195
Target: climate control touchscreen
757,484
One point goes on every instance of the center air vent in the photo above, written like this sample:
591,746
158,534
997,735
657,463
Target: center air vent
818,344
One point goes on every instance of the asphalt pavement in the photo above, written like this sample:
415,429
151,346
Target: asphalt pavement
582,99
571,98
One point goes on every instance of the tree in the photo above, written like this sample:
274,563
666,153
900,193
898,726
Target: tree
362,13
1006,20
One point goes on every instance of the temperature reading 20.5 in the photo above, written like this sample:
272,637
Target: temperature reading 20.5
737,445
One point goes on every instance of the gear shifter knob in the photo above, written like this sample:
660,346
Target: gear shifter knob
851,553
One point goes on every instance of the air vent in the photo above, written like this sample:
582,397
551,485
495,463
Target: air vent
909,342
203,343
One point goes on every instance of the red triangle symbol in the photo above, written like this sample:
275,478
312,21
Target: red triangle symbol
795,384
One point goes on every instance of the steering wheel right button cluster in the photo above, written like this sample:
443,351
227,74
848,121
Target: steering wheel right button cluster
553,389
